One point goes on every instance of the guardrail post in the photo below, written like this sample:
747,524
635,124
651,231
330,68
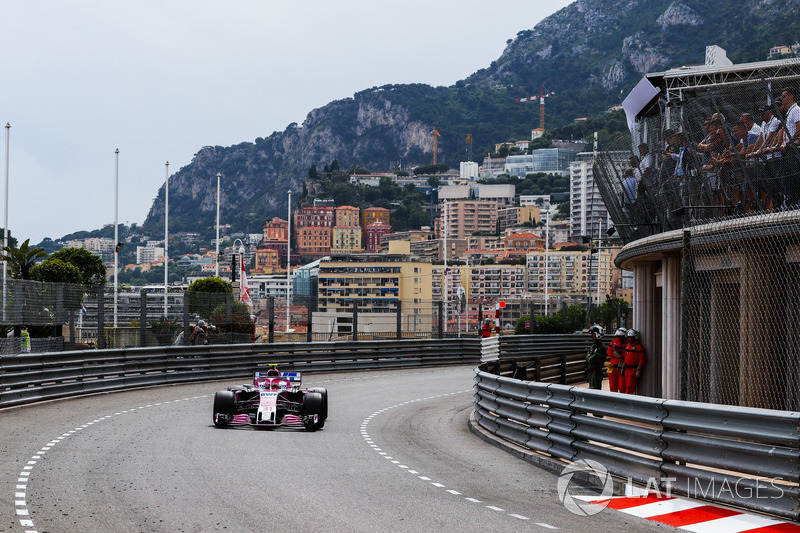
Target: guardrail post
142,318
530,329
480,316
271,319
563,361
309,323
399,320
537,370
187,296
355,319
101,326
229,315
441,318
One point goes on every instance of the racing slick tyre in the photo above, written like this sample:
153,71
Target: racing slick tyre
313,404
224,403
324,393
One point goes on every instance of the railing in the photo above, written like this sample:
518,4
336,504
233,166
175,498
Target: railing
29,378
740,456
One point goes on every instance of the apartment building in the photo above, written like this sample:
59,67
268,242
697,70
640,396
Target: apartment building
588,213
346,239
462,218
313,217
374,215
267,262
314,241
374,283
573,272
373,235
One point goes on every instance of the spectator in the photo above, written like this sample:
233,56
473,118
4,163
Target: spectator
614,364
199,335
791,164
486,329
26,340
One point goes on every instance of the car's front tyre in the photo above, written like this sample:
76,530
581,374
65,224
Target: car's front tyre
224,404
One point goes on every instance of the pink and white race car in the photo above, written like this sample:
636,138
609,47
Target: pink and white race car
274,400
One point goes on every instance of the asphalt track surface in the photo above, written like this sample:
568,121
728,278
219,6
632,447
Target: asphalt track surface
395,455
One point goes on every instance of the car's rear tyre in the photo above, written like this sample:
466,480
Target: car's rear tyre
324,393
313,404
224,403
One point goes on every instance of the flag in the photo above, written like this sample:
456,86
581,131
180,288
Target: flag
83,309
244,291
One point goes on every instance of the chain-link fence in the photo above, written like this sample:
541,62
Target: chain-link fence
64,317
715,153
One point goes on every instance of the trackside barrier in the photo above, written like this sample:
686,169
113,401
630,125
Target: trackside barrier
740,456
29,377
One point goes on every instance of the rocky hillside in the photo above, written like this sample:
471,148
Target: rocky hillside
590,54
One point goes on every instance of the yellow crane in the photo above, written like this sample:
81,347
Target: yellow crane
436,136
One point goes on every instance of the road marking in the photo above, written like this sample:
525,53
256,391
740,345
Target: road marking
20,501
371,442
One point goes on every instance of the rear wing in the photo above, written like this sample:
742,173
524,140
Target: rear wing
293,377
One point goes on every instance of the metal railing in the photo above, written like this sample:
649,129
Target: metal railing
739,456
29,377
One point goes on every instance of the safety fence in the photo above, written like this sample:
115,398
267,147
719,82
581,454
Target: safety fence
739,456
29,378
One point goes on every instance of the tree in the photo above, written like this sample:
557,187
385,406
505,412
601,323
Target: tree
91,267
21,260
335,165
312,172
205,294
54,270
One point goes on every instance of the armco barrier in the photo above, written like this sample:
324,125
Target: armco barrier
29,378
739,456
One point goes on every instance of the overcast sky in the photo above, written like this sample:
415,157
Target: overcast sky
159,80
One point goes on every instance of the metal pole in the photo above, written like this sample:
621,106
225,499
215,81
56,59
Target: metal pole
288,262
5,222
166,238
216,272
444,273
546,266
116,233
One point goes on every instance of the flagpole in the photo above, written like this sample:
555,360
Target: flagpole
5,222
288,262
216,272
116,235
166,239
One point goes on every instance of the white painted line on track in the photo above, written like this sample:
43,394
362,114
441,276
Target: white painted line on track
20,501
371,442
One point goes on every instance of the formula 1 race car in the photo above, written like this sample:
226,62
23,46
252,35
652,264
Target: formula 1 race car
274,400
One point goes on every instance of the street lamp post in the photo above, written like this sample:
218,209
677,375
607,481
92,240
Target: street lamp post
166,239
116,232
5,221
288,261
216,271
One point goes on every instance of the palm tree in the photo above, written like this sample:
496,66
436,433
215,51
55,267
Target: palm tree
21,260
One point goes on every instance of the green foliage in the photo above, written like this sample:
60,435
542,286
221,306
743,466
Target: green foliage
54,270
240,322
91,267
212,284
206,294
438,168
21,260
165,330
566,320
606,313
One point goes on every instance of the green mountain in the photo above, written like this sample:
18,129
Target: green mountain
589,54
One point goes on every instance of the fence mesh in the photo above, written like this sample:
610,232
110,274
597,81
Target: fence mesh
716,154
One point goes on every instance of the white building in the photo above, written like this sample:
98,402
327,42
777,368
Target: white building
149,254
502,194
468,170
588,214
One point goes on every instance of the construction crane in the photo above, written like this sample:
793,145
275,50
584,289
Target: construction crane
436,136
469,146
541,97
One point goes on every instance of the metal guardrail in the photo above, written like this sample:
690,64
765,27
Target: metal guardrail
739,456
29,378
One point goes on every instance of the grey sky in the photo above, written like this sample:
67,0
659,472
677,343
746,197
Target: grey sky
159,80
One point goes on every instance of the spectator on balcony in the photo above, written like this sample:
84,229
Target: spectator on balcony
767,158
790,175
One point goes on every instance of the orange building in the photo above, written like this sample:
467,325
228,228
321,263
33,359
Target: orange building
346,215
374,215
523,242
267,262
276,229
314,241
